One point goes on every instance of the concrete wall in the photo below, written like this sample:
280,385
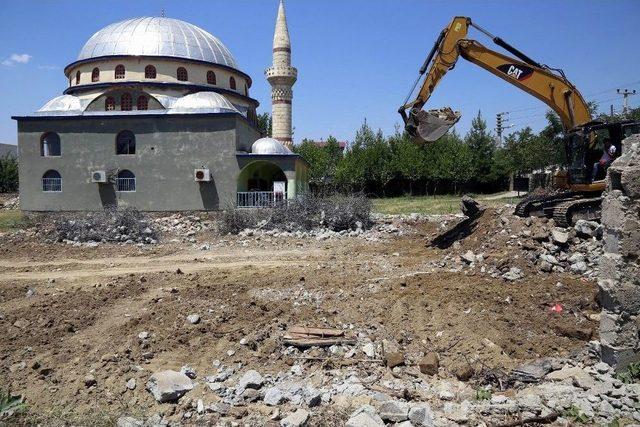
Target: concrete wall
168,149
619,281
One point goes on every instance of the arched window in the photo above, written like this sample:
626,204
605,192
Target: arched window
150,72
125,102
211,77
126,142
95,75
110,103
78,77
51,181
182,75
143,103
232,83
119,74
50,145
126,181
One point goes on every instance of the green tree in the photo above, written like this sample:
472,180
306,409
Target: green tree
407,159
265,124
482,146
8,174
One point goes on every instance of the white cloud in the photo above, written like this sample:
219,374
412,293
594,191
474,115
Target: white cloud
48,67
21,58
16,58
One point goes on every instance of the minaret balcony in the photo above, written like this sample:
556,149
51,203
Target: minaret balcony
281,71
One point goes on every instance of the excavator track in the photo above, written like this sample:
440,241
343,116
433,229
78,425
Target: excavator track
567,213
534,205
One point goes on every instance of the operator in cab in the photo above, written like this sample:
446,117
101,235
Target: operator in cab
608,155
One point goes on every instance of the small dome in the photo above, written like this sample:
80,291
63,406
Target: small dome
205,102
269,146
62,103
157,36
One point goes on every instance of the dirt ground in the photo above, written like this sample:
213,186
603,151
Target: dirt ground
71,311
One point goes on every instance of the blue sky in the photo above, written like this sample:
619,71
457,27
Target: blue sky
356,58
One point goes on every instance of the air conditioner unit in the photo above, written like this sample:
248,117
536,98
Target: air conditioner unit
99,176
202,175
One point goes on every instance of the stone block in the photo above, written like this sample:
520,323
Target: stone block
630,180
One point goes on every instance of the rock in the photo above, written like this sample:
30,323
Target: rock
193,319
365,416
393,410
89,380
579,377
513,274
602,368
297,419
200,406
420,415
250,379
559,236
499,399
129,422
189,371
131,383
429,364
469,257
393,359
369,349
273,396
579,267
21,323
17,366
169,386
470,207
143,335
531,372
587,228
464,372
456,413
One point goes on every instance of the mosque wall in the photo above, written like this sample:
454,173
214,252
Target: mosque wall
167,151
166,72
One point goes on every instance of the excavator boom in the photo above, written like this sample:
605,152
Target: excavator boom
549,86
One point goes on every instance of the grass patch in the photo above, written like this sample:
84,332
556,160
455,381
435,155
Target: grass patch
431,205
11,220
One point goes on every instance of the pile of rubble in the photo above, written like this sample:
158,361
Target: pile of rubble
185,226
555,390
383,226
533,242
124,226
11,203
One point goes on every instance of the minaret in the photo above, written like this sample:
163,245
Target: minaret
281,76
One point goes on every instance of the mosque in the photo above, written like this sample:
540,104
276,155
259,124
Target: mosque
158,116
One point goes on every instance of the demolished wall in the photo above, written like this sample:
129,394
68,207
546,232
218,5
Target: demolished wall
619,281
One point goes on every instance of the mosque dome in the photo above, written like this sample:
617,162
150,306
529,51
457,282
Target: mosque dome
62,103
269,146
157,36
203,102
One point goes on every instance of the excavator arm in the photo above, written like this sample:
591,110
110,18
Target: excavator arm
548,85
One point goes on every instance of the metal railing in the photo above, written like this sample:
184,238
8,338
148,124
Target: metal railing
126,184
258,199
51,184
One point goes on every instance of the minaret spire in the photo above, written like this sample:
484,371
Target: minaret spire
281,76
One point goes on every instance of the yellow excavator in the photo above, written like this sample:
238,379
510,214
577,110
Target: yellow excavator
580,194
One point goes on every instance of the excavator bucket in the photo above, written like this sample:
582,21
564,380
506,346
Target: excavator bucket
428,126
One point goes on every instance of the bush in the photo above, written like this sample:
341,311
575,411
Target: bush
305,213
110,225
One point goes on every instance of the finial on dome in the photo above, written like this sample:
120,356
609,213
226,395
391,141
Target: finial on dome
162,13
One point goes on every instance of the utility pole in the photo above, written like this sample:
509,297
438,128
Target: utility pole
500,125
626,93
